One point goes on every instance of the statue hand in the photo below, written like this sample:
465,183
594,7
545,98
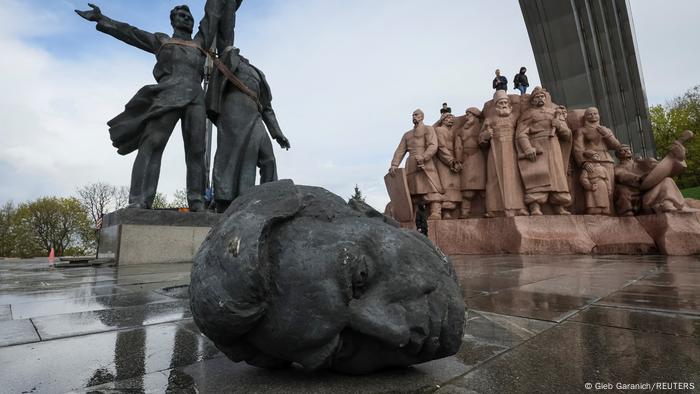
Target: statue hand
531,154
594,187
392,170
94,15
283,142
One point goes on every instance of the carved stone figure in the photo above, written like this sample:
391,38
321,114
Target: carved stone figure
241,111
448,166
471,160
292,274
594,179
542,166
504,190
149,118
593,136
645,184
423,181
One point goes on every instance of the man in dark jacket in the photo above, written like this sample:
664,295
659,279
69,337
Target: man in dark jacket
500,82
520,81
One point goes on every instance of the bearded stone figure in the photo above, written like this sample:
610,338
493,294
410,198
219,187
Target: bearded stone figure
504,189
471,159
448,166
423,181
542,165
293,274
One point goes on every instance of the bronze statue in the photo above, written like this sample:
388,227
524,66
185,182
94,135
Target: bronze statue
150,116
542,165
423,181
471,160
504,190
448,166
239,103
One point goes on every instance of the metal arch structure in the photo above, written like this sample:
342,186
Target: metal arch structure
586,54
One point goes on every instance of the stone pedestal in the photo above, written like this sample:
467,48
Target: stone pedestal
140,236
670,233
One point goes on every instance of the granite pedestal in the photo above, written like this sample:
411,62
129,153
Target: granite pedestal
141,236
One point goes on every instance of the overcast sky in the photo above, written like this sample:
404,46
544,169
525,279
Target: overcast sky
345,76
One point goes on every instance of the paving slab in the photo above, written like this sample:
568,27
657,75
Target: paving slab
641,320
532,305
684,299
68,364
84,304
73,324
565,358
5,312
16,332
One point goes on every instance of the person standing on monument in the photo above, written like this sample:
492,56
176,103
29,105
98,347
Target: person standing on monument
542,167
447,166
471,160
150,117
423,181
500,82
504,189
520,81
594,137
239,102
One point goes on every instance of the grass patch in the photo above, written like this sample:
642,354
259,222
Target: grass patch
692,192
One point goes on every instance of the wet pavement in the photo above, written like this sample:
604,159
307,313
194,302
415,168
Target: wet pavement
534,324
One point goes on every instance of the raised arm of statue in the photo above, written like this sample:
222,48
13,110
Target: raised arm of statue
219,23
131,35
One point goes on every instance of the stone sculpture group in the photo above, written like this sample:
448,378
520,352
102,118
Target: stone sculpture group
525,155
238,101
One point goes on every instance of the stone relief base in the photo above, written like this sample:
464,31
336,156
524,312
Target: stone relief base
669,234
141,236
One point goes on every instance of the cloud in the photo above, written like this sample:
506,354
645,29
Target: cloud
345,77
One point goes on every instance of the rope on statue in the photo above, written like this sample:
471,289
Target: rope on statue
220,66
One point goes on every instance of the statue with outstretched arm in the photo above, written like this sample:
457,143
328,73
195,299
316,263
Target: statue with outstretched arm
150,117
239,102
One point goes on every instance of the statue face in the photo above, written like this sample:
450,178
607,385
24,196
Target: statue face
469,119
538,99
418,117
449,121
592,115
503,107
625,153
369,306
181,19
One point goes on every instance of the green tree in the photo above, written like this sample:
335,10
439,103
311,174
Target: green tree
7,213
48,222
669,121
357,195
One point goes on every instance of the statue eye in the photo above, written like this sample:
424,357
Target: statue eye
360,277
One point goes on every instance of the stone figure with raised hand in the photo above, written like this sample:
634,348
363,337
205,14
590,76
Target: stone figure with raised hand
448,166
150,117
594,179
593,136
239,102
504,190
471,160
293,274
645,185
423,181
542,166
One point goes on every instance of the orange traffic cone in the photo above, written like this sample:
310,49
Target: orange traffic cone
52,256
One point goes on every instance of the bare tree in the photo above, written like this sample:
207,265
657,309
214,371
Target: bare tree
121,197
97,199
179,199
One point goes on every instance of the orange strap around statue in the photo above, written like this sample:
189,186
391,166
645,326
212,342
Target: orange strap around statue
220,66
